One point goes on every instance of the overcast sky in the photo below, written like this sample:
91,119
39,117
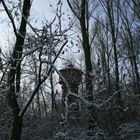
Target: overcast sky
41,8
40,11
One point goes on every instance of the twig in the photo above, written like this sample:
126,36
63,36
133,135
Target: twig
21,113
10,17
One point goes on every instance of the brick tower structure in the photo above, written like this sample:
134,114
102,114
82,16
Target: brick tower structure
73,77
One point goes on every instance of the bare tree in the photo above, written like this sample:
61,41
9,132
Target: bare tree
15,67
21,51
113,19
81,10
129,36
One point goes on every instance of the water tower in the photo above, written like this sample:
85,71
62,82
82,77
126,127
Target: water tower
73,77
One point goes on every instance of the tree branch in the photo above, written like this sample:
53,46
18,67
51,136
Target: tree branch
10,17
72,9
21,113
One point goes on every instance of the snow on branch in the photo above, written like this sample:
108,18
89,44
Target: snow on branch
21,113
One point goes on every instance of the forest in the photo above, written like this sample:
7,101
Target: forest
73,74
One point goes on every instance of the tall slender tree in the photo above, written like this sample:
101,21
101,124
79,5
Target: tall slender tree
129,35
113,19
15,67
81,11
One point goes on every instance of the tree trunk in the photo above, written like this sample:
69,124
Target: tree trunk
82,16
114,29
14,74
134,63
87,51
88,63
17,121
17,128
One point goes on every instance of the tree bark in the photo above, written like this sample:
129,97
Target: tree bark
17,128
81,16
15,74
88,64
113,29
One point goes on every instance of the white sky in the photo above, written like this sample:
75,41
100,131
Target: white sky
40,11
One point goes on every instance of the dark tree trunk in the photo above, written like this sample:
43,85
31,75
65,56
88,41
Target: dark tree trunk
134,63
82,16
17,128
14,74
87,51
17,121
113,28
88,63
